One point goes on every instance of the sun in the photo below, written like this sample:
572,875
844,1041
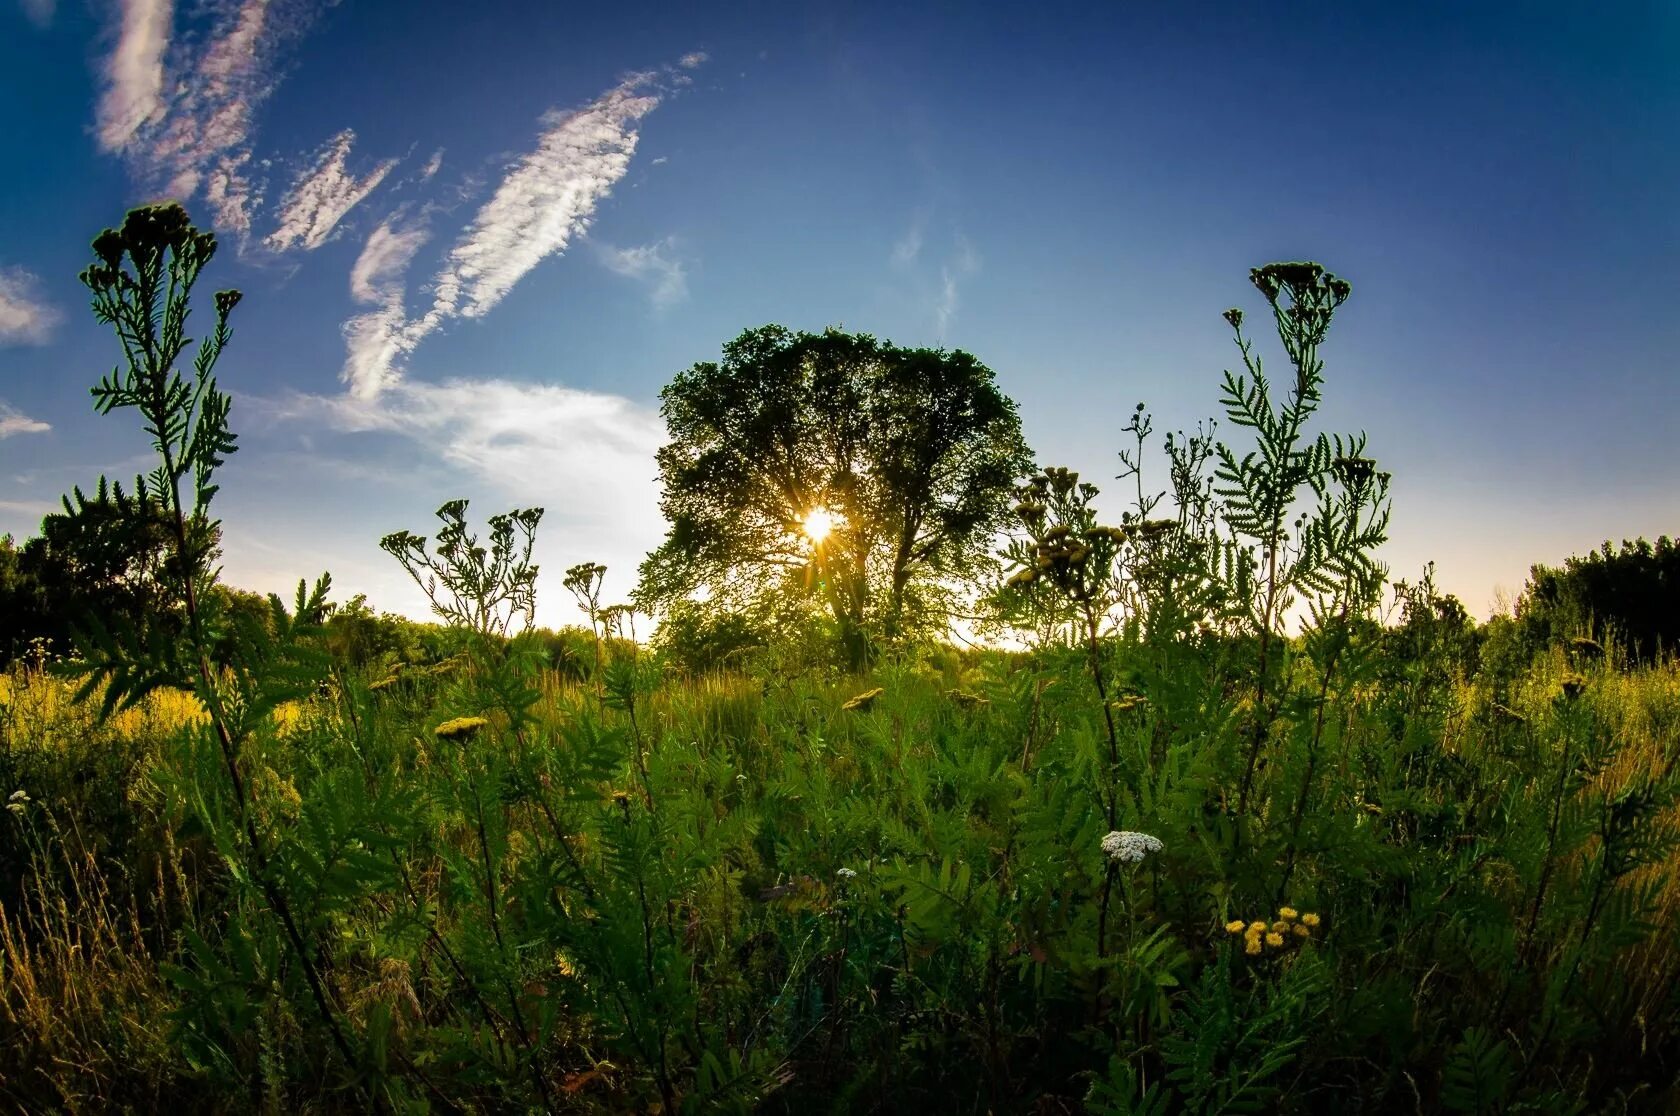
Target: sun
819,522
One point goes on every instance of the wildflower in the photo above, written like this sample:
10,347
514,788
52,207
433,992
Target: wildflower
1309,919
1274,939
846,874
1253,947
864,700
18,801
1234,316
459,728
1280,927
564,965
1302,931
1128,847
1288,914
1257,928
1235,926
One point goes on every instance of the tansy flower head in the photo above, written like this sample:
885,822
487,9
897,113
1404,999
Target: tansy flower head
1253,947
1236,926
460,728
1274,939
1302,931
1309,919
1288,914
1257,928
1280,927
864,700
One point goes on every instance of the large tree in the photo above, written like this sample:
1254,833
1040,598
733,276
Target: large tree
834,469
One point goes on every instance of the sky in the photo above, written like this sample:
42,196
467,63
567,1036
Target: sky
476,240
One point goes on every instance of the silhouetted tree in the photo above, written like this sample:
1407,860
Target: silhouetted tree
104,556
835,468
1630,595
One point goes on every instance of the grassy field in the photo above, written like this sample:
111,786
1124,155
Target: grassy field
649,893
1220,842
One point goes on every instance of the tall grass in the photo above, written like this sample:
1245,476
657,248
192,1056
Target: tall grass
855,908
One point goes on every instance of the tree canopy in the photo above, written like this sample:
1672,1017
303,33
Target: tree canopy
831,468
1625,594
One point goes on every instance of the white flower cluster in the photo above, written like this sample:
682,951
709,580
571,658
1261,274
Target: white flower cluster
1128,847
18,801
846,874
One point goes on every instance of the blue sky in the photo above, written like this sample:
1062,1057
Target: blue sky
475,243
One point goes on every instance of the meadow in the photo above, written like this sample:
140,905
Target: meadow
1221,836
734,892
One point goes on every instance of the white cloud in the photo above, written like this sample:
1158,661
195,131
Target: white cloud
909,246
432,165
693,59
24,318
665,277
322,194
378,271
545,199
964,263
40,12
13,421
590,453
184,115
133,95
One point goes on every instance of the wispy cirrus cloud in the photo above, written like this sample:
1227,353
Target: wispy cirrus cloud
134,73
545,199
378,271
25,318
651,264
909,246
322,194
181,108
375,340
522,438
14,421
964,262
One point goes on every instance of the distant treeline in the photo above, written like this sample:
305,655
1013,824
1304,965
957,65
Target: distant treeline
97,562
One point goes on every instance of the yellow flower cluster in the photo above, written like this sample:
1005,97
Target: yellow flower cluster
1259,936
460,728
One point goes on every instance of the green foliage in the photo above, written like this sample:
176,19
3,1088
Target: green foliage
328,860
102,557
909,451
482,589
1625,596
